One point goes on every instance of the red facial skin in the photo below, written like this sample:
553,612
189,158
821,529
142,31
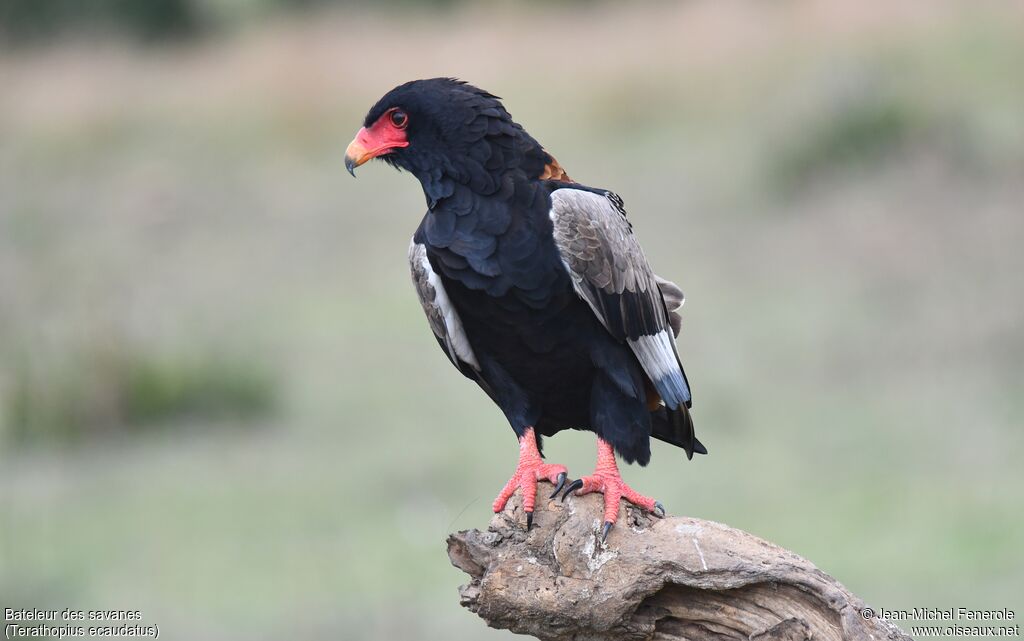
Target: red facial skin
380,138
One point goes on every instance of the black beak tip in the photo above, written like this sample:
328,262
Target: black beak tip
350,165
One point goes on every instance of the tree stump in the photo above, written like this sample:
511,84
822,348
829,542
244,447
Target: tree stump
665,579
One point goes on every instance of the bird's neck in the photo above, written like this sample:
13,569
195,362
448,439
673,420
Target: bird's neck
495,165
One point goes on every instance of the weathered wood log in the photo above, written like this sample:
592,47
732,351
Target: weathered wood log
666,579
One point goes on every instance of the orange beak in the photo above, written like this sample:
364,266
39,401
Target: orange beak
370,143
356,153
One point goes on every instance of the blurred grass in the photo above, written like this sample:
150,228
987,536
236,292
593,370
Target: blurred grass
867,129
837,189
23,21
115,388
33,23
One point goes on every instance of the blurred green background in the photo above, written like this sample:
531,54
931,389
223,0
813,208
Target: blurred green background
220,403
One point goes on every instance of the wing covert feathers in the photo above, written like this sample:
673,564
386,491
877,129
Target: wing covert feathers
610,272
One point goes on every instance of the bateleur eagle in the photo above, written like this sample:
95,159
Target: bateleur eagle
535,288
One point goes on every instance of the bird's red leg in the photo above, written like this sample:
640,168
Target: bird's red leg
530,469
607,480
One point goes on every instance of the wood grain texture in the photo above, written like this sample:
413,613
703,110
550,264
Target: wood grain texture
670,579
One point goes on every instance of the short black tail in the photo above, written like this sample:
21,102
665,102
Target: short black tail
676,427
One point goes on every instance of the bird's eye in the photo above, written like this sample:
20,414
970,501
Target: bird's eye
399,118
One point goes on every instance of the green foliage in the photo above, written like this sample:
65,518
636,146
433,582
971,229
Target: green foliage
854,134
25,21
148,20
120,388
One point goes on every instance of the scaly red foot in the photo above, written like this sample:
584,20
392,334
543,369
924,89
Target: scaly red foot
530,469
607,480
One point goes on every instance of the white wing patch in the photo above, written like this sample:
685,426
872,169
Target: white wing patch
656,354
442,315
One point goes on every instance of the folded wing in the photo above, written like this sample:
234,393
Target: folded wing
611,273
443,317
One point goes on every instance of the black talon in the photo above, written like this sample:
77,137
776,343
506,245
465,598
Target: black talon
575,485
605,530
659,510
558,486
529,521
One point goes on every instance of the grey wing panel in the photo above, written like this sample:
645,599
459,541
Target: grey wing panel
674,299
607,265
441,314
611,273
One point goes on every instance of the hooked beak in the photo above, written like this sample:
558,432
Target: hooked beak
356,153
369,144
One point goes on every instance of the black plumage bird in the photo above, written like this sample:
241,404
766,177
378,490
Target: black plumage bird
535,287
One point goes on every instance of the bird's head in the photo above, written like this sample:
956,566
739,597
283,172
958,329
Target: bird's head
445,132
